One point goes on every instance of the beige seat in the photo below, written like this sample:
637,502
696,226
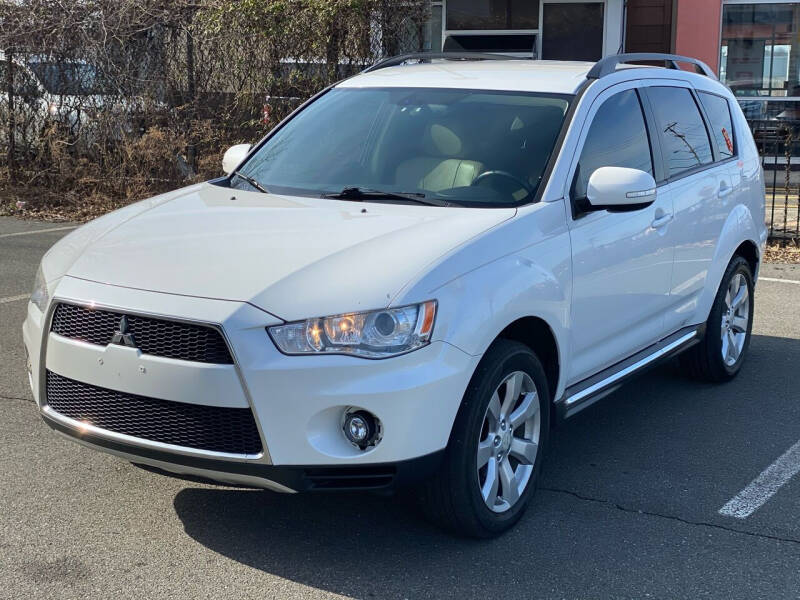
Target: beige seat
436,174
440,169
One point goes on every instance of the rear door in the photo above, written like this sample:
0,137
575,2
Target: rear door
621,260
697,177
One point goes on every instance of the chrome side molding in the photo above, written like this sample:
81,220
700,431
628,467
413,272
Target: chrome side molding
590,390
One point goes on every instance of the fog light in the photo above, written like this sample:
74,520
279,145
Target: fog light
360,428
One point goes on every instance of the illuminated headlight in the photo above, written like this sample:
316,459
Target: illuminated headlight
374,334
40,295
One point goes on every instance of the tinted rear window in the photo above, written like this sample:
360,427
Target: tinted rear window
683,132
719,113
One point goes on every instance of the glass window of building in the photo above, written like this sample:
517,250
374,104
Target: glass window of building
572,31
481,15
435,44
760,53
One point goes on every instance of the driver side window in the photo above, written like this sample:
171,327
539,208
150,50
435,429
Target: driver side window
617,138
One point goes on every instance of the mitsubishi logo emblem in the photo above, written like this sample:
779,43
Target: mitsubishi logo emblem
123,337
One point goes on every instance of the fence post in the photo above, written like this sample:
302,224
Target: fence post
787,184
12,163
191,148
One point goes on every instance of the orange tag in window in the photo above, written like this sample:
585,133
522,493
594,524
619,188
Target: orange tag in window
728,141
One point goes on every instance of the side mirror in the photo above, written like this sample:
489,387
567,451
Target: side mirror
618,187
234,156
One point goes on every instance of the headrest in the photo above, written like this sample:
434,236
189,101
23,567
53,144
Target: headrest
443,140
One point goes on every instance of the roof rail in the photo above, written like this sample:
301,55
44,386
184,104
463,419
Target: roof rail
394,61
609,64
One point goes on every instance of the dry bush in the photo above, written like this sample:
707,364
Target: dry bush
165,87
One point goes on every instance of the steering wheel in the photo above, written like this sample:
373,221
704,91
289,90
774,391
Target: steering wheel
496,173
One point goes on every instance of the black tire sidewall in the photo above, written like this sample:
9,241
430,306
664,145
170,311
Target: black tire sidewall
714,324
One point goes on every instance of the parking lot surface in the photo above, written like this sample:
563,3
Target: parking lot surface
629,506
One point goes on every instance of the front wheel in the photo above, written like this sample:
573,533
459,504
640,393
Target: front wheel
496,447
719,356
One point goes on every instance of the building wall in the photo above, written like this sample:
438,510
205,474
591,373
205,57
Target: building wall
612,34
648,26
615,9
697,30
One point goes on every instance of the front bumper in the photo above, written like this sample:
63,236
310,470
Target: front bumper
297,401
287,479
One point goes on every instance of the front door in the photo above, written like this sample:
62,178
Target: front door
621,260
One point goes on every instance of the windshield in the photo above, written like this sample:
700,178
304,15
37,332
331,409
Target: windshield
466,147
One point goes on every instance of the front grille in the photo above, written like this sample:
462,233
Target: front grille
221,429
159,337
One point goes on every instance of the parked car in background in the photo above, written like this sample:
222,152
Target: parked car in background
33,105
73,94
410,279
77,89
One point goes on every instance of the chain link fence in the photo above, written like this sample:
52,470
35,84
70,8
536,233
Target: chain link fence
103,102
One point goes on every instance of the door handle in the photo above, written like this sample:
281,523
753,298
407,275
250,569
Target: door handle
724,190
661,221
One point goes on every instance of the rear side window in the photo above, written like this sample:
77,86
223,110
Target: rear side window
616,138
683,134
719,114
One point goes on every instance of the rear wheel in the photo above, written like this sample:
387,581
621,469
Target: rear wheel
719,356
496,447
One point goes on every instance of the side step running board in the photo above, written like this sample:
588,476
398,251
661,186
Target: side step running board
590,390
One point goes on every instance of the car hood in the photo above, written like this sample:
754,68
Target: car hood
292,257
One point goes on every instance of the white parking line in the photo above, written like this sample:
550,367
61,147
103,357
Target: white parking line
49,230
14,298
763,487
779,280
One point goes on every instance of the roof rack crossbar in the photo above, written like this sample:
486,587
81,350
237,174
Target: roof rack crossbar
394,61
609,64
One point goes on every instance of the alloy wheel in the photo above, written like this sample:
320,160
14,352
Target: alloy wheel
509,441
735,319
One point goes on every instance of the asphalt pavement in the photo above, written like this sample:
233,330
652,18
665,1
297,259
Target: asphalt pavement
629,506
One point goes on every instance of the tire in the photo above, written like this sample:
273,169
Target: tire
453,498
705,361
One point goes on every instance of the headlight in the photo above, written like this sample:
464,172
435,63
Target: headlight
40,295
374,334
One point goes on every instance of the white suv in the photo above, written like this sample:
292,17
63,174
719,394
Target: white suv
410,280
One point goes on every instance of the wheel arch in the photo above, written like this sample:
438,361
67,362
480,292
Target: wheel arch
748,250
541,338
739,237
536,334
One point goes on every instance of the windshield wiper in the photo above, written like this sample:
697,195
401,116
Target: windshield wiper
251,181
360,194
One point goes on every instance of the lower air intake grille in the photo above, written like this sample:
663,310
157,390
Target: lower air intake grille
220,429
